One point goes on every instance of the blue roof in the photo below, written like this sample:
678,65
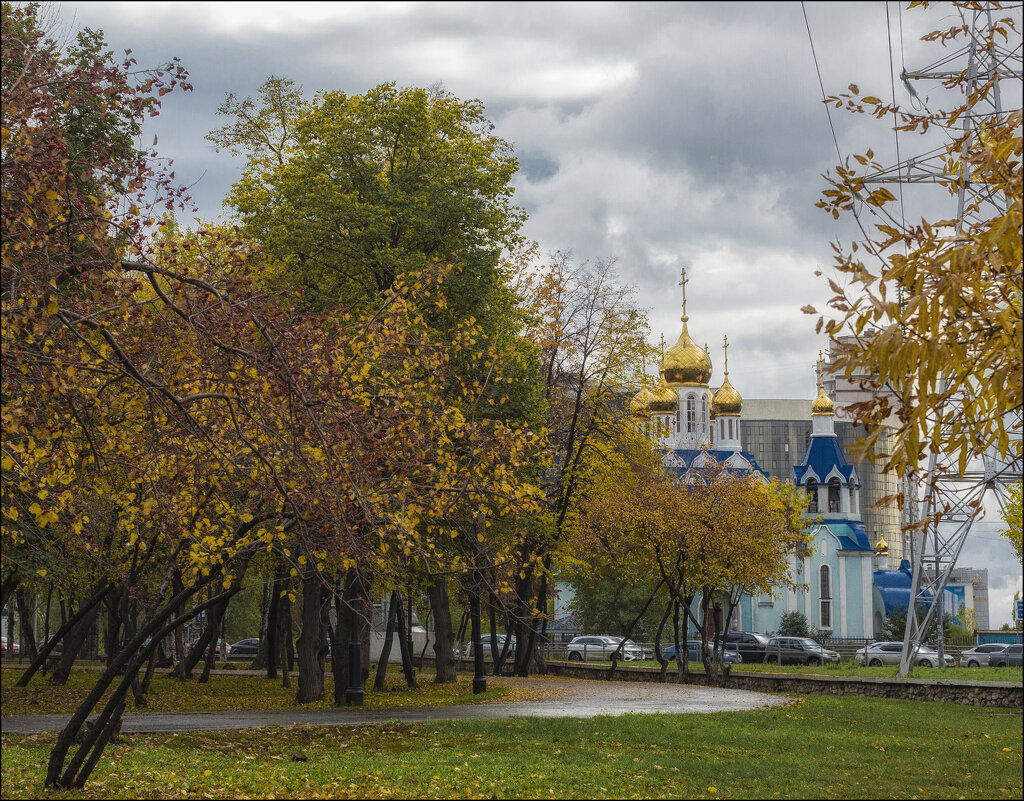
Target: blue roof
894,587
824,454
688,455
851,534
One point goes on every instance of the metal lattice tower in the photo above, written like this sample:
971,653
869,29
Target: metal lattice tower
950,502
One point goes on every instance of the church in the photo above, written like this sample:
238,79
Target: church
690,425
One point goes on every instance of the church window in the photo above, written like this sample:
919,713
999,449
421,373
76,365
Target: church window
825,596
703,411
833,495
691,414
812,490
730,428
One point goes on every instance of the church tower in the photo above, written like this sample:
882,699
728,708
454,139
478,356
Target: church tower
825,475
726,406
686,368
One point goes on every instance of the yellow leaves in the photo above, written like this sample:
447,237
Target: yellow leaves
35,509
246,517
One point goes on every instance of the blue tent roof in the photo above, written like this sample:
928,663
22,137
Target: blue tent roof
688,455
851,534
894,587
824,454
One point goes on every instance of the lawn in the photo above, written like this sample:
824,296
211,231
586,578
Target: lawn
1014,674
818,747
232,692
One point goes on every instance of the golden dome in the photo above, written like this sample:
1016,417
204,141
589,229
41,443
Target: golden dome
640,405
686,363
881,547
664,398
726,400
822,404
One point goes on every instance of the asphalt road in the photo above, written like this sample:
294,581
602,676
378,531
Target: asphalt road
549,697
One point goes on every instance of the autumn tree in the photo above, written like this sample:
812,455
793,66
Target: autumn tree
350,195
708,542
592,342
934,306
1012,519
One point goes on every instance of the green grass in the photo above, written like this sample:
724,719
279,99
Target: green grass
818,747
1014,674
237,692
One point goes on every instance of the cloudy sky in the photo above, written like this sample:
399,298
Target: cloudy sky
662,135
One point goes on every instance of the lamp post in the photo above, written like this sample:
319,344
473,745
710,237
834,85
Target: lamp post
354,693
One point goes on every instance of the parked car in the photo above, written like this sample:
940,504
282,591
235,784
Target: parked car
979,655
3,647
1011,656
750,645
467,651
798,651
729,656
247,647
599,648
888,653
58,648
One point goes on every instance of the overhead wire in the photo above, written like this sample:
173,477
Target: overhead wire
896,134
866,243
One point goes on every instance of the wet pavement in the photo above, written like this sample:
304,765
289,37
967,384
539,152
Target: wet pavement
548,697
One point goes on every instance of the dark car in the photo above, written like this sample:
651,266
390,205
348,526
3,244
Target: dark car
751,645
248,647
729,656
1011,656
798,651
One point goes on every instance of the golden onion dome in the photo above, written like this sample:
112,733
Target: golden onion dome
822,404
664,398
881,547
640,404
686,363
726,400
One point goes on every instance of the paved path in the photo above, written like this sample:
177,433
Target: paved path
549,697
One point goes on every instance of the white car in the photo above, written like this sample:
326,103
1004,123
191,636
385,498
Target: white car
600,647
888,653
979,655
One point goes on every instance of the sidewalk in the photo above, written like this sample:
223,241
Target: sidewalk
556,698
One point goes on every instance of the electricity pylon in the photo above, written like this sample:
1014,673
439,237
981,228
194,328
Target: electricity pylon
950,501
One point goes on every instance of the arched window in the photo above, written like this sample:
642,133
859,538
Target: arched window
812,490
825,596
691,414
833,495
703,410
730,428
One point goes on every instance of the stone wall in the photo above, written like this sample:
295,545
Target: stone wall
974,693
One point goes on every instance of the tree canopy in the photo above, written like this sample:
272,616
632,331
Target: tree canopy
934,306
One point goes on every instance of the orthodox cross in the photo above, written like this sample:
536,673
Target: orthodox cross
725,345
682,283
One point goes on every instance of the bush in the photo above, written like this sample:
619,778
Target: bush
794,624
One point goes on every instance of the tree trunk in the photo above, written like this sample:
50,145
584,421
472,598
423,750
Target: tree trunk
311,664
79,626
28,633
405,644
385,651
444,664
269,647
